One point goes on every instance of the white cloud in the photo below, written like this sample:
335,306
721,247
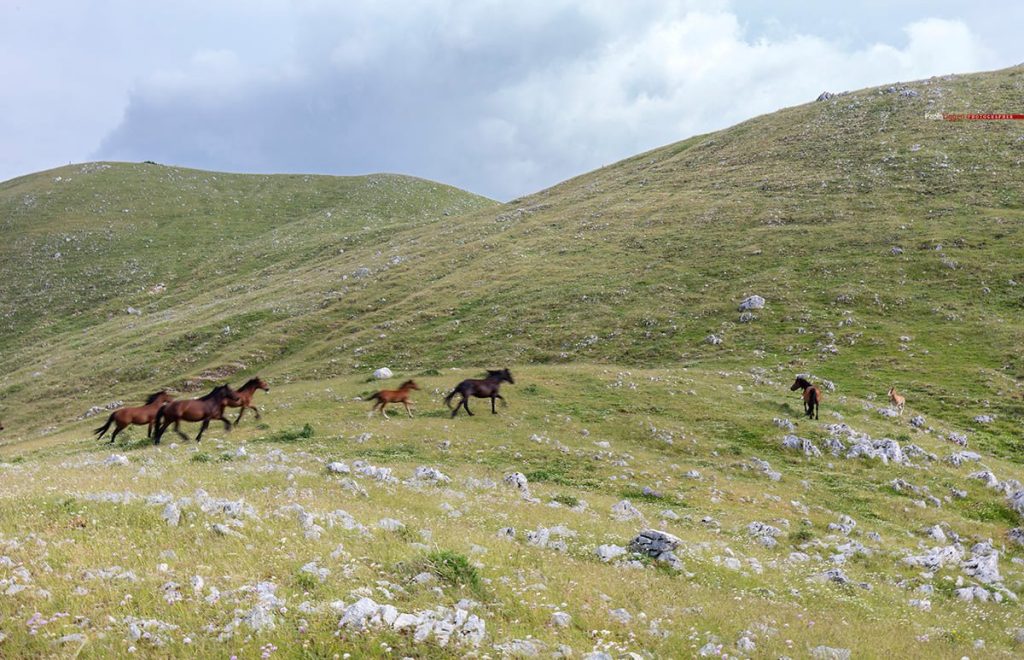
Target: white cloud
501,98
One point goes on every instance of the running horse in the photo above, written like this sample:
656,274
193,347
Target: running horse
245,394
139,415
202,410
812,396
486,388
384,397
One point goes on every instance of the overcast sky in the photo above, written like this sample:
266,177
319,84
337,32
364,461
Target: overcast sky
501,98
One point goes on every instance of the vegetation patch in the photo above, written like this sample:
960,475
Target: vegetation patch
288,435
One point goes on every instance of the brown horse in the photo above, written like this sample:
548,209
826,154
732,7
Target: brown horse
384,397
144,414
812,396
202,410
245,394
486,388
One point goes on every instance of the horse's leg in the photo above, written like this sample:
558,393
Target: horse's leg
503,401
160,431
465,404
256,411
239,415
177,429
116,431
382,411
227,424
406,404
202,428
493,411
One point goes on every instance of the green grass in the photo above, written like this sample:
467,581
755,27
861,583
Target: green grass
598,294
288,435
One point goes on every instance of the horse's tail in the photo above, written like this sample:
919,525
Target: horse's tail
375,395
448,399
103,429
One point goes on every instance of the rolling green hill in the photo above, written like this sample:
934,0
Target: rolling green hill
888,246
636,263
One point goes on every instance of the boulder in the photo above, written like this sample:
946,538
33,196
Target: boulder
752,302
654,542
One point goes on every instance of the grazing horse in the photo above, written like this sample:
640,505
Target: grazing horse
144,414
486,388
202,410
384,397
812,396
897,400
245,394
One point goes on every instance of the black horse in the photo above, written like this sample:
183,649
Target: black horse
486,388
812,396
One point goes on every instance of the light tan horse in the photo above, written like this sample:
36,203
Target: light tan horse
384,397
897,400
245,394
139,415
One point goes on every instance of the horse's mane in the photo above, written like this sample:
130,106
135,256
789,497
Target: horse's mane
219,390
153,397
252,381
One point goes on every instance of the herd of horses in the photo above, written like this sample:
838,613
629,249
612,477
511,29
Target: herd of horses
161,410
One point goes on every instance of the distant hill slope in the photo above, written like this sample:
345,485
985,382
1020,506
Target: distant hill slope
887,244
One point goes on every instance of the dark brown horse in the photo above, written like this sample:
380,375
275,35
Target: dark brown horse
144,414
486,388
812,396
202,410
384,397
245,394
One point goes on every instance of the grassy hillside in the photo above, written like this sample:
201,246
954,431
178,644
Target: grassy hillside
636,263
888,248
119,277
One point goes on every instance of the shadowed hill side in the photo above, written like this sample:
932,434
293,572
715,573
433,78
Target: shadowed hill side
117,275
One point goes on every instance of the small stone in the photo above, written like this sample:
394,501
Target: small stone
624,510
829,653
561,620
621,615
609,552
